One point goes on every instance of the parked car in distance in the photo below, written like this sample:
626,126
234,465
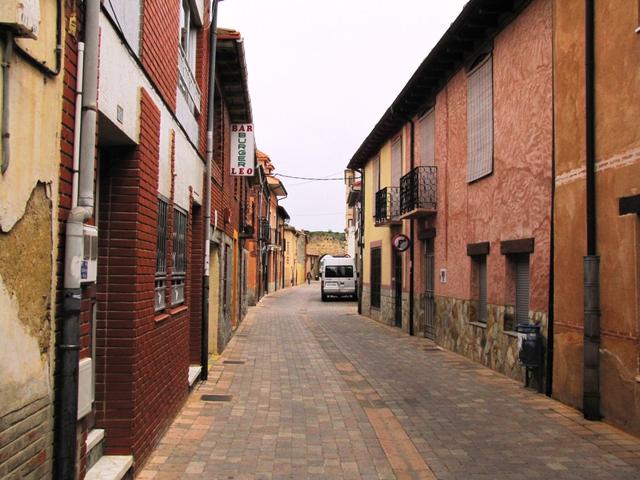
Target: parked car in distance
338,277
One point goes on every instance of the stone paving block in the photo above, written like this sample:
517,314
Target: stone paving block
325,393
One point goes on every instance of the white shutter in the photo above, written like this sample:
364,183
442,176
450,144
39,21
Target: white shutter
396,163
480,121
427,139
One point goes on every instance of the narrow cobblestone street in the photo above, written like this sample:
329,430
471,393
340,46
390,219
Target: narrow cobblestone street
317,391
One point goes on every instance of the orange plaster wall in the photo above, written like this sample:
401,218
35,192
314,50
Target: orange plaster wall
617,175
515,201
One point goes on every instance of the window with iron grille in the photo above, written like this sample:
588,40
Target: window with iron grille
427,139
179,256
161,256
376,272
480,120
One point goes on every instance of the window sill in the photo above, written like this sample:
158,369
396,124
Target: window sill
161,317
511,333
478,324
179,309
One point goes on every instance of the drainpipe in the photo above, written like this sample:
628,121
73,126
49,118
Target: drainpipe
67,406
204,345
360,240
591,375
6,101
551,298
411,235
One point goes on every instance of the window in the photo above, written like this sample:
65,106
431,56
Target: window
519,264
338,271
396,162
161,256
480,267
376,267
480,120
126,14
427,130
179,257
187,34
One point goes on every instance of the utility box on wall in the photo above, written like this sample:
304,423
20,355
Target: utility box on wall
22,16
89,264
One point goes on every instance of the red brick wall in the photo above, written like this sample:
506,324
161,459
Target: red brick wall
142,357
160,44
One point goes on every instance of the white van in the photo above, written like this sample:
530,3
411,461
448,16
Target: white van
338,275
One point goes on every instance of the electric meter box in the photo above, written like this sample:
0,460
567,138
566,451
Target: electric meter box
22,16
89,262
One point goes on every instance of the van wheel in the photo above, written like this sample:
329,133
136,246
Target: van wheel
324,297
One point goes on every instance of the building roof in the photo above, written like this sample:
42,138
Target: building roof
478,23
276,186
231,70
282,212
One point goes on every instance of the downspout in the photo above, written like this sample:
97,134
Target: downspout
551,298
204,345
411,243
6,101
360,240
259,235
69,347
591,374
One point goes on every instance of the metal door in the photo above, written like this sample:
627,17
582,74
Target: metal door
397,276
429,291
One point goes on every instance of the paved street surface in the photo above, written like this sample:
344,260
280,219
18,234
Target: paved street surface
320,392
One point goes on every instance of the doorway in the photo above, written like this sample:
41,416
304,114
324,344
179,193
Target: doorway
429,290
214,298
397,287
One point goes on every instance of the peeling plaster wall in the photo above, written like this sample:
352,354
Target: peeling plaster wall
28,229
617,87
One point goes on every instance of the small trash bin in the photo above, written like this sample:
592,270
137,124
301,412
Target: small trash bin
531,352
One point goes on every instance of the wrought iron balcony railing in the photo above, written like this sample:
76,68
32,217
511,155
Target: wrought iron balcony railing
387,205
418,192
265,230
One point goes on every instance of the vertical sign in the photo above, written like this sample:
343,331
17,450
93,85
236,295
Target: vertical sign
242,149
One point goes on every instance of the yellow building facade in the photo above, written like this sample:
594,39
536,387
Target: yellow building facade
31,106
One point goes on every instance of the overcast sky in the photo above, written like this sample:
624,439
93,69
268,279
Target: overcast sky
321,74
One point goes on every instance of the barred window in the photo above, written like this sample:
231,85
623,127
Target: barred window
427,139
179,257
161,256
480,120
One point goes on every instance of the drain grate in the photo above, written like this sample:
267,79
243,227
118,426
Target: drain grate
216,398
233,362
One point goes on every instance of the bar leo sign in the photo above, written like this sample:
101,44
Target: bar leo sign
242,150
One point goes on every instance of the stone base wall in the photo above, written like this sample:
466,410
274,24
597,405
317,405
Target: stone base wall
251,297
487,344
386,313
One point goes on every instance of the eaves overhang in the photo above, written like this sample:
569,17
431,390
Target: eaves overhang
478,23
276,186
282,212
232,77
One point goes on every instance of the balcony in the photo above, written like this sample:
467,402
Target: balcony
265,230
418,193
387,206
